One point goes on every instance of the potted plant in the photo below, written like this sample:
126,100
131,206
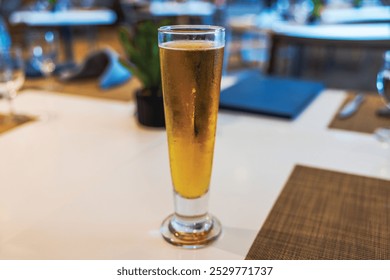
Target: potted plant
143,62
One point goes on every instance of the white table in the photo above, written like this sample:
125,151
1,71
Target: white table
65,20
89,183
356,15
191,8
364,36
370,30
268,19
72,17
337,32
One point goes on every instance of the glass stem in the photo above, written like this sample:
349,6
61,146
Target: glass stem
186,207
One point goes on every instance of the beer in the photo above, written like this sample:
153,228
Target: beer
191,74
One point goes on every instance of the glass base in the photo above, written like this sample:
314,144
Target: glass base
191,233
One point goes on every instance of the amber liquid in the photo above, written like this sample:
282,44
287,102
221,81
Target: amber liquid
191,77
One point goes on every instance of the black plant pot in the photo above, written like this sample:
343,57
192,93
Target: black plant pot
150,108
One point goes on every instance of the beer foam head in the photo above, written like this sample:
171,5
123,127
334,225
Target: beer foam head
189,45
209,36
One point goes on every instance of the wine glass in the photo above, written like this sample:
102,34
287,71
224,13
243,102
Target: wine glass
191,66
383,86
44,51
11,78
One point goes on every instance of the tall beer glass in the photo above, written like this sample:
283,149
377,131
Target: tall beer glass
191,59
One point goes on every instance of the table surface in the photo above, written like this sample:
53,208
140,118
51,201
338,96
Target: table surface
356,15
342,32
366,23
190,8
87,182
64,17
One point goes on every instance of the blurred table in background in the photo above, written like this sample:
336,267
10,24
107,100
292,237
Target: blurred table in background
72,17
89,87
368,14
366,36
64,20
191,8
311,50
187,12
268,18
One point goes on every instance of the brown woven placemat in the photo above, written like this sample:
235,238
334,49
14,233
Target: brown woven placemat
324,214
6,124
365,119
87,88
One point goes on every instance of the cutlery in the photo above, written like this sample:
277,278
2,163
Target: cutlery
351,107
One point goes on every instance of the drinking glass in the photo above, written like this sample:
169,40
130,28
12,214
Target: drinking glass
44,51
11,77
191,59
383,86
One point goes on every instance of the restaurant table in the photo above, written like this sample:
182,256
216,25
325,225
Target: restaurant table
178,12
64,20
351,28
365,14
269,18
87,182
363,36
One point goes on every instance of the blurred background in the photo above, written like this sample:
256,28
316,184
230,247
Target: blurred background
338,42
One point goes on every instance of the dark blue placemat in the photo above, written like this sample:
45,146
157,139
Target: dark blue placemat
273,96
